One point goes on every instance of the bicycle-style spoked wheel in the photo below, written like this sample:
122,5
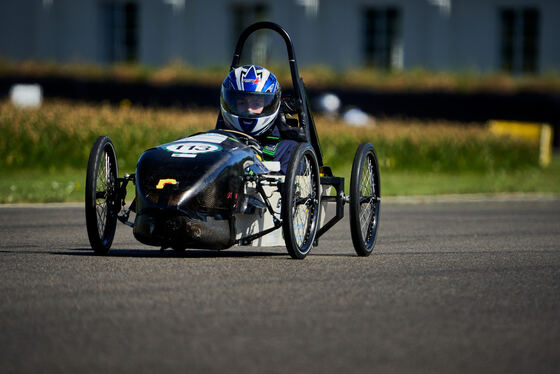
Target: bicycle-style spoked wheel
365,199
300,201
101,198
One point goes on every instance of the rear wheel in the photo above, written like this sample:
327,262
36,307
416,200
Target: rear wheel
102,202
300,201
365,194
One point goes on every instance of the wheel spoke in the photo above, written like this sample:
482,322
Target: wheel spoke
367,199
103,182
303,198
300,202
364,199
101,210
101,194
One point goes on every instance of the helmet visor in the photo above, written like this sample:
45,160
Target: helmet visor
249,104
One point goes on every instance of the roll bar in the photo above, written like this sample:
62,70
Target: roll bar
300,96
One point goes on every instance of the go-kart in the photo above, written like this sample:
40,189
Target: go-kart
213,190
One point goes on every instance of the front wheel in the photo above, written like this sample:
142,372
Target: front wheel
300,201
101,198
365,195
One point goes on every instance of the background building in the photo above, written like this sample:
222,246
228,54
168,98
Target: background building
481,35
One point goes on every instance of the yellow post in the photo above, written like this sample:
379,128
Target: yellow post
540,133
545,145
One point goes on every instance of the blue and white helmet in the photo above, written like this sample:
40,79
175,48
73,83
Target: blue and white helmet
250,99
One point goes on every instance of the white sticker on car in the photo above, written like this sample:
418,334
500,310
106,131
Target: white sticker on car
192,147
208,138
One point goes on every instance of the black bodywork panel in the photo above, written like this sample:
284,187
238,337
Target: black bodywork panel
188,190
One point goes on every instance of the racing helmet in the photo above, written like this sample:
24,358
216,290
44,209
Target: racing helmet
250,99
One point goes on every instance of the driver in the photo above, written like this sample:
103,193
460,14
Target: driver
250,102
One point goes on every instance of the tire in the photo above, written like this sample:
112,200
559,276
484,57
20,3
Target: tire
365,195
300,201
102,203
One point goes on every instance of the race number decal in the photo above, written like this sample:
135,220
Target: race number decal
192,148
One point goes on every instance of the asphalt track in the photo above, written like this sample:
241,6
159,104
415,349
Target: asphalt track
452,288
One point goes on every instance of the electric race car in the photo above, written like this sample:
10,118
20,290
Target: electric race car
212,190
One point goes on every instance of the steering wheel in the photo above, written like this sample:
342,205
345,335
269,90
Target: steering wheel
239,133
247,139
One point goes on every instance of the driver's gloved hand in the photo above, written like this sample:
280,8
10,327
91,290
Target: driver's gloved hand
287,131
290,105
255,145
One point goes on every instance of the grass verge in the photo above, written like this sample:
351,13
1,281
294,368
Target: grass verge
44,152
